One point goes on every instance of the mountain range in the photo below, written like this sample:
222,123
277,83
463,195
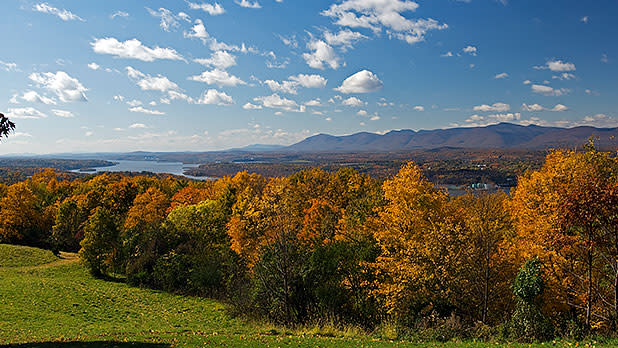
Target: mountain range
498,136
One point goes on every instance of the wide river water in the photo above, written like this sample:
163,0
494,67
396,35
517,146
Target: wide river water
176,168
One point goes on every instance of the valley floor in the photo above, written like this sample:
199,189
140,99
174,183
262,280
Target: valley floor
47,301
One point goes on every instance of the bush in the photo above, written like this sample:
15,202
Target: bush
528,323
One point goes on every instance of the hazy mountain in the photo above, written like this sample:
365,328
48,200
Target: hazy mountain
499,136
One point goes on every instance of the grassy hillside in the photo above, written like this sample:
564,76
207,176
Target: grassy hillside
19,256
47,300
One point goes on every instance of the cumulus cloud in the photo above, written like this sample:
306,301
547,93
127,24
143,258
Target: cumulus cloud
63,14
496,107
294,82
63,113
214,97
501,76
218,77
138,126
419,108
383,15
211,9
133,49
352,101
34,97
248,4
66,88
198,31
25,113
548,91
560,108
532,107
314,102
250,106
321,55
557,65
218,59
345,38
471,50
94,66
362,82
143,110
274,101
479,120
151,83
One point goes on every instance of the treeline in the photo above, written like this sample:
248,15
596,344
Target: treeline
399,254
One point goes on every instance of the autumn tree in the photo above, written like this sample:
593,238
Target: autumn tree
487,272
421,238
101,247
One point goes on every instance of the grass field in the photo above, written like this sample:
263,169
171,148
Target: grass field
48,301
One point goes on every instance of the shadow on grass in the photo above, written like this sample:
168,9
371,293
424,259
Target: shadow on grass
102,344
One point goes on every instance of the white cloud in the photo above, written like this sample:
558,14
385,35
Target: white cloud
447,54
497,107
362,113
218,59
8,66
478,120
532,107
471,50
362,82
211,9
63,14
168,19
94,66
584,19
560,108
353,101
564,76
314,102
250,106
321,54
34,97
501,76
276,102
218,77
198,31
67,88
26,113
537,107
121,14
133,49
89,133
146,111
138,126
345,38
309,81
527,82
151,83
374,118
557,65
383,15
419,108
289,41
214,97
548,91
63,113
284,87
134,102
248,4
301,80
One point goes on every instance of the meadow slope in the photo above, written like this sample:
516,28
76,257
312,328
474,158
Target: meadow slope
49,301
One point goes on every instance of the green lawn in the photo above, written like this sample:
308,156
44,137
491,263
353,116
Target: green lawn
47,302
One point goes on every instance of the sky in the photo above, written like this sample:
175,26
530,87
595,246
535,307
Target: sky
202,75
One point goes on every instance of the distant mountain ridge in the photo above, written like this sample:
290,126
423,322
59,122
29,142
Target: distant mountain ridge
498,136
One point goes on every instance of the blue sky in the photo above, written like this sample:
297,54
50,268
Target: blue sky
199,75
